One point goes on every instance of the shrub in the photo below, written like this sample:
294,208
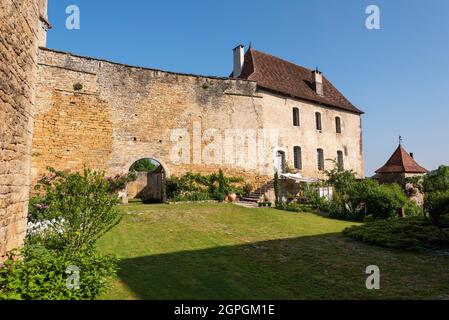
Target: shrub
409,233
436,204
294,207
35,206
213,184
437,180
354,200
381,201
81,205
119,182
219,196
277,188
41,274
247,189
436,189
342,180
193,196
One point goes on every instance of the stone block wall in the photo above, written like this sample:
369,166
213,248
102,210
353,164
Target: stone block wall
20,32
106,116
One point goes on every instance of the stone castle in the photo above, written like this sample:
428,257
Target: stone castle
67,111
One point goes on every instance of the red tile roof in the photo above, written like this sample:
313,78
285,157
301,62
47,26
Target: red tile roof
401,162
286,78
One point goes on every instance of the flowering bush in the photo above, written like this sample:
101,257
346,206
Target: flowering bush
66,220
78,204
45,226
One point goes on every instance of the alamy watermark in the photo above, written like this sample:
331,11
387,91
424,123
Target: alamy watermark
373,280
73,280
372,22
251,148
73,21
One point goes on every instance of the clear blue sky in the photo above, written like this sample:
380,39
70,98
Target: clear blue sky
398,75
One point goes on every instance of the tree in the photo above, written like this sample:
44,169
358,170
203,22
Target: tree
143,165
276,188
436,191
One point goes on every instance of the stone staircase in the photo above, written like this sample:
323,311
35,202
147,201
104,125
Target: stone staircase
259,192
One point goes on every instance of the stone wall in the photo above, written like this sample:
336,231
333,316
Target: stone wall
20,32
278,113
121,114
147,186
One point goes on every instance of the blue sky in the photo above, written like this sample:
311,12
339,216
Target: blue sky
398,75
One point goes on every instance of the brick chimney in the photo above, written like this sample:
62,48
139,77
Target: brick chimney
317,82
239,59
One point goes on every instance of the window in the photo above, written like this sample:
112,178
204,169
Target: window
340,162
320,159
297,157
338,124
296,117
318,121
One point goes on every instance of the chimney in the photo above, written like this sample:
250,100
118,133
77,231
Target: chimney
318,82
412,155
239,59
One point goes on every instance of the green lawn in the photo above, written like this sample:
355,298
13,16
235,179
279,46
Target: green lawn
223,251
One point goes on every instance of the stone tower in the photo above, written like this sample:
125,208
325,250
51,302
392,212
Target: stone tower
23,24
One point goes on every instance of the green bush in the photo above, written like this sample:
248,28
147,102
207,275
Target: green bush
294,207
119,182
436,204
193,196
355,199
247,189
380,200
82,207
277,188
437,180
215,184
409,233
72,213
219,196
436,189
41,274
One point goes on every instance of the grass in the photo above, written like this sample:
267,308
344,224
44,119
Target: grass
223,251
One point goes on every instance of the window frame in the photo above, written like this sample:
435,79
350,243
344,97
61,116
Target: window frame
320,159
297,157
340,159
338,128
296,118
318,121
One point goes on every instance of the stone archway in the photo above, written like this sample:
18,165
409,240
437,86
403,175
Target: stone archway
148,185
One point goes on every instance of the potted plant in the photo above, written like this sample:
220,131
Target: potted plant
232,197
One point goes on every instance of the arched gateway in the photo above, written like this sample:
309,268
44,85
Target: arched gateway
148,181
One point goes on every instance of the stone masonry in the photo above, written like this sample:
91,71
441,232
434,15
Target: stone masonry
107,116
21,31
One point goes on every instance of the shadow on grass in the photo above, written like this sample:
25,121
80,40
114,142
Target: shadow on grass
316,267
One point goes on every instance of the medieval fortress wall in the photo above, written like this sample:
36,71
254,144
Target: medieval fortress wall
21,31
186,122
104,115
